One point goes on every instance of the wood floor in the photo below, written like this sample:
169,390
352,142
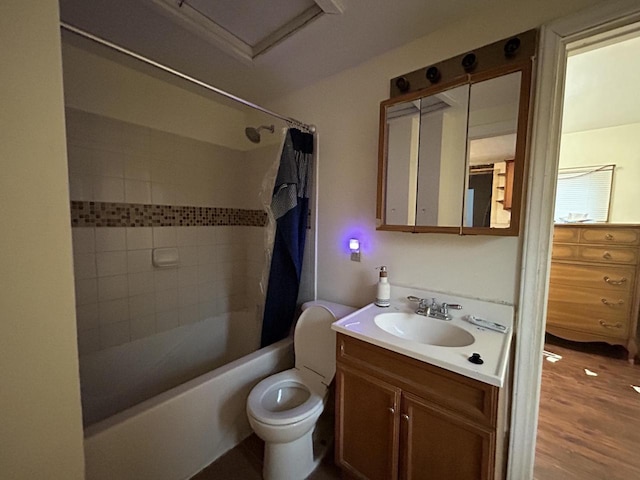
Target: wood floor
589,426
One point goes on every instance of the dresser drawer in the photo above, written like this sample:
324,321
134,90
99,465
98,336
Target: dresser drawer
606,278
604,254
585,310
614,236
565,252
566,234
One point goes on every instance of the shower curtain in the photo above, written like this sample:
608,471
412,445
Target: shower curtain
290,208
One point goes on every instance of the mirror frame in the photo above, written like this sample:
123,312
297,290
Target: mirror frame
520,159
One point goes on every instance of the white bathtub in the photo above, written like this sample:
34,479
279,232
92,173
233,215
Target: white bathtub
176,434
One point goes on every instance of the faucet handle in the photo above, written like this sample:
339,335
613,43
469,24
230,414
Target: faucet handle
446,306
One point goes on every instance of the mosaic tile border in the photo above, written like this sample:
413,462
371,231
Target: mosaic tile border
103,214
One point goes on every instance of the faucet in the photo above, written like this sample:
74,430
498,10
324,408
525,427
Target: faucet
433,310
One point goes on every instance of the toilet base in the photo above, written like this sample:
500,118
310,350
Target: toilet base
289,461
286,461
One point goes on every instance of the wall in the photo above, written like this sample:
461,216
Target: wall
41,430
619,145
345,109
136,189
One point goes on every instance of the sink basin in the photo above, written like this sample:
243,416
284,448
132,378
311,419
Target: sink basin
429,331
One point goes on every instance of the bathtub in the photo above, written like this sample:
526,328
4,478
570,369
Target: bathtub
176,434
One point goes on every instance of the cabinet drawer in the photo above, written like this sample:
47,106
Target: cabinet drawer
566,234
585,310
607,278
471,398
603,254
564,252
614,236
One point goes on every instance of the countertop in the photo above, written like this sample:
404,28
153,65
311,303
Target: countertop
491,345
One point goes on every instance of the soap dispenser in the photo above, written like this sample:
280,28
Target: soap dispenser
383,294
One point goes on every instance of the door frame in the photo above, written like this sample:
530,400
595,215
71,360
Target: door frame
537,239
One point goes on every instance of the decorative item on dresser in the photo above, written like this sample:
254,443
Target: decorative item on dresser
594,284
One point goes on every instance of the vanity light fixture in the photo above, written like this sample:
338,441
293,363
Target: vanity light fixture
403,84
354,247
433,74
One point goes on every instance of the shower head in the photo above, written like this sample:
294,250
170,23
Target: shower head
253,134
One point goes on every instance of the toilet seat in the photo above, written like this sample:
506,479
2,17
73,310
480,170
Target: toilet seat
288,378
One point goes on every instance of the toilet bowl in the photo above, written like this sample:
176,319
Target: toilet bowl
283,409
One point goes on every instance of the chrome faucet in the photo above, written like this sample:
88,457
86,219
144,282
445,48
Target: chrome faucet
433,310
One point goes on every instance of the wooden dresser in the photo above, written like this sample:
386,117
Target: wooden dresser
594,285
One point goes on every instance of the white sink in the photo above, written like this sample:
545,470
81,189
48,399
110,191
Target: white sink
426,330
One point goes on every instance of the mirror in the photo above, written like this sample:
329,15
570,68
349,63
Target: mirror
492,137
432,129
452,157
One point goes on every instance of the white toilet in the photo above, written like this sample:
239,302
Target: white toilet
283,409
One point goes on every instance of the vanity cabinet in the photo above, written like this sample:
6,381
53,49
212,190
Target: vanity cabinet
593,285
399,418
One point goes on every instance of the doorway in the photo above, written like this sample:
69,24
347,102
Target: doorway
589,410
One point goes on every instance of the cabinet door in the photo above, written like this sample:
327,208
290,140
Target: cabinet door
367,427
437,444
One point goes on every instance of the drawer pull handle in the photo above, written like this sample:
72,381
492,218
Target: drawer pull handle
609,325
607,302
606,255
608,236
614,282
405,416
392,410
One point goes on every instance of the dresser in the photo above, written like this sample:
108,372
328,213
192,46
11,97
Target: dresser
594,284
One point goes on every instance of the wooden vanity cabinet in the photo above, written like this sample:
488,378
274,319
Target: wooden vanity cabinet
399,418
593,286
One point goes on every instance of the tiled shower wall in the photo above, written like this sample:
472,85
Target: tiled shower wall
134,189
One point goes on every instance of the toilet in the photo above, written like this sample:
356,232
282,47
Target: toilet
283,409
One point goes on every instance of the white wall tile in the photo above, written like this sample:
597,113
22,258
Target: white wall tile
206,310
114,334
166,300
142,305
107,163
87,317
188,256
207,254
187,296
207,235
139,261
188,276
141,282
163,171
80,160
187,236
137,168
189,314
84,265
111,263
81,188
137,191
142,327
111,288
84,239
165,237
207,273
139,238
109,239
207,292
86,291
108,189
162,194
166,279
88,341
167,320
113,311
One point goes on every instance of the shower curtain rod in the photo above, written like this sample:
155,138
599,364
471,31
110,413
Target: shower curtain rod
291,121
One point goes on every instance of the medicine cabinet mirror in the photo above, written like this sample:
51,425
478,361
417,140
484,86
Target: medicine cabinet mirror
452,155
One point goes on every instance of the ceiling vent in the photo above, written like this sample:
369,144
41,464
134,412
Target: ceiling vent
246,28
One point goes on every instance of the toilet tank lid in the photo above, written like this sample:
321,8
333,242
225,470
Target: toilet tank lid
339,311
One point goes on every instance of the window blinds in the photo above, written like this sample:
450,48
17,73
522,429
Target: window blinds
583,194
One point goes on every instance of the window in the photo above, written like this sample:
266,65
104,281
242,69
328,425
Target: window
583,194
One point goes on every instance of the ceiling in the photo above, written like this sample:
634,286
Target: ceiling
326,44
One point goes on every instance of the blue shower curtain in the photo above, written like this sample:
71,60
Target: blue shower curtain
290,208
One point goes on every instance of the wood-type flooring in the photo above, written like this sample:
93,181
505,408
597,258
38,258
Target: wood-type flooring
589,425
